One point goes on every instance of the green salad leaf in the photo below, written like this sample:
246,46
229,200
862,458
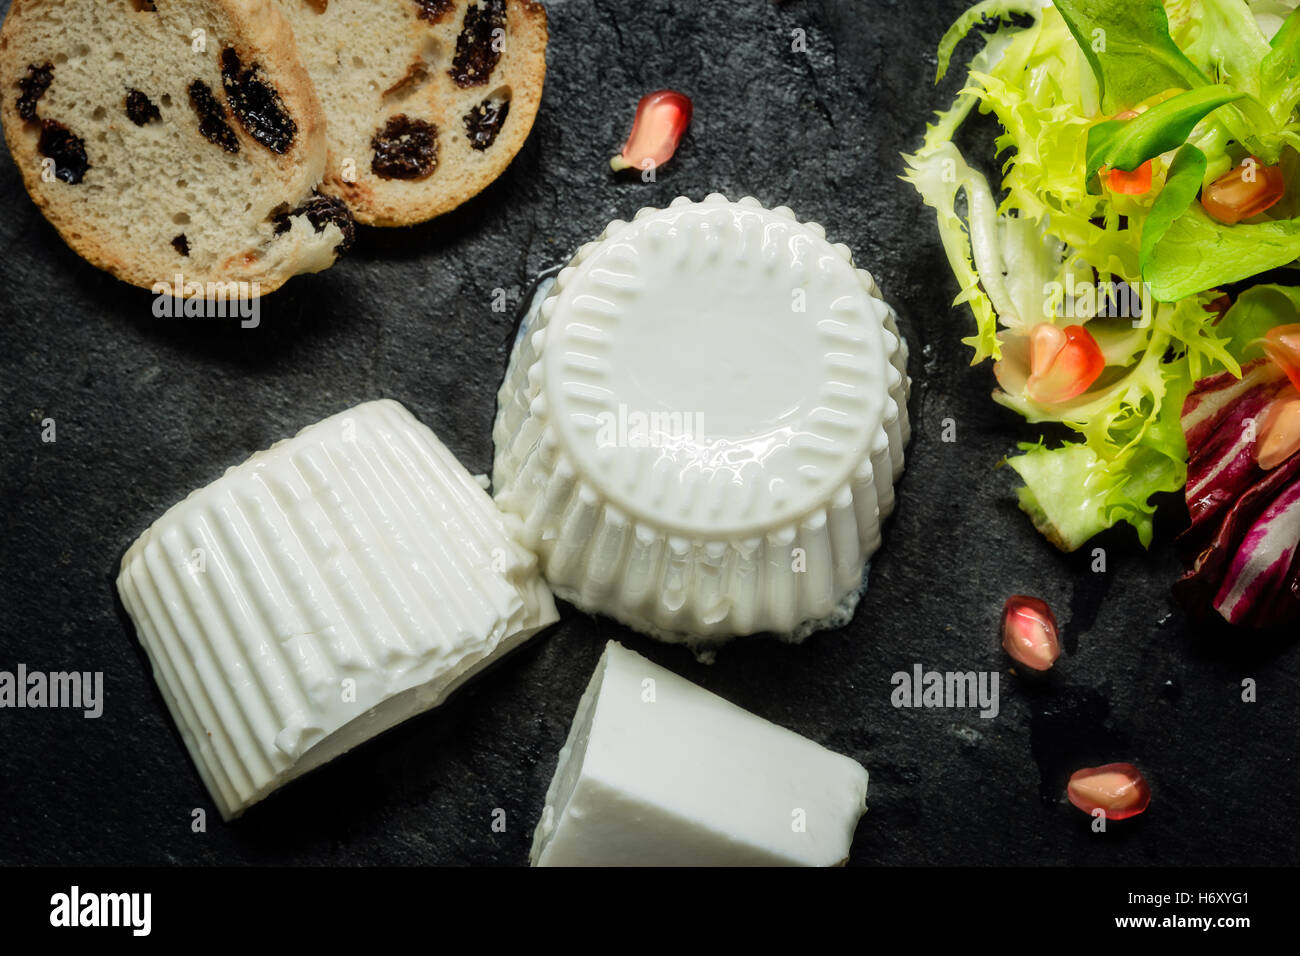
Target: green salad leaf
1229,43
1258,309
1128,46
986,10
1198,253
1279,72
1071,495
1127,144
1182,183
1077,490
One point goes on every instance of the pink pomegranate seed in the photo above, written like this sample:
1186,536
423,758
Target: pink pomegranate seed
1118,789
1063,363
661,120
1029,632
1282,343
1279,435
1244,191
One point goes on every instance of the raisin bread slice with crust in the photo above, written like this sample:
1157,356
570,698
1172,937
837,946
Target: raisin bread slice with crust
166,137
427,101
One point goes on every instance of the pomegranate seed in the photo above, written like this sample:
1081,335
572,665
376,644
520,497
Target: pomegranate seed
1063,363
1133,183
1279,435
1118,789
1128,183
661,119
1282,343
1029,632
1244,191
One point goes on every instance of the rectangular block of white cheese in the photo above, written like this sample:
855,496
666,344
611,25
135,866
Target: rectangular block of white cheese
658,771
323,591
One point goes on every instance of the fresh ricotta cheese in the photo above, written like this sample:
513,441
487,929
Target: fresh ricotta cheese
323,591
658,771
702,424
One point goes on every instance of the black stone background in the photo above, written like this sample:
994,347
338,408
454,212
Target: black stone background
148,409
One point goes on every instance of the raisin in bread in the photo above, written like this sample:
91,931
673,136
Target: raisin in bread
166,137
427,101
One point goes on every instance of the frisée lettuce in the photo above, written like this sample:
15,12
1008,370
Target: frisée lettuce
1115,116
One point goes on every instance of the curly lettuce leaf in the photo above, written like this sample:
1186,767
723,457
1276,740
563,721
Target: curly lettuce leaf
940,174
996,10
1072,493
974,245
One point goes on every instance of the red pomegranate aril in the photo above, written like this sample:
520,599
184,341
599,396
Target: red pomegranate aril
661,120
1128,183
1029,632
1279,432
1282,344
1063,363
1117,789
1243,191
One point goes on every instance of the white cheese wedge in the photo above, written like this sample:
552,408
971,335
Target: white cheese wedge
658,771
323,591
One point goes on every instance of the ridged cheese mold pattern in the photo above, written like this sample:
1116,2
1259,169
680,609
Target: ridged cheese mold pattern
744,322
323,591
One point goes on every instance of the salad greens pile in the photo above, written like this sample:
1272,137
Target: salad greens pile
1201,87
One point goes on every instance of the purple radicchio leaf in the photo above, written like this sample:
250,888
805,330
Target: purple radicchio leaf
1244,542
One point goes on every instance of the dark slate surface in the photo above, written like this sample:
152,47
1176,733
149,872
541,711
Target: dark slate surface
147,409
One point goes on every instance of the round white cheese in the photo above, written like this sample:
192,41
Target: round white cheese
702,424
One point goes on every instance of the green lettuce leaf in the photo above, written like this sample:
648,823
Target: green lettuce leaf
975,244
1078,490
1198,253
1127,144
1128,45
987,10
1071,494
1229,45
1280,70
1182,184
1255,311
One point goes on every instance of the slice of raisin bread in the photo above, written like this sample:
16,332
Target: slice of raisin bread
427,101
166,137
